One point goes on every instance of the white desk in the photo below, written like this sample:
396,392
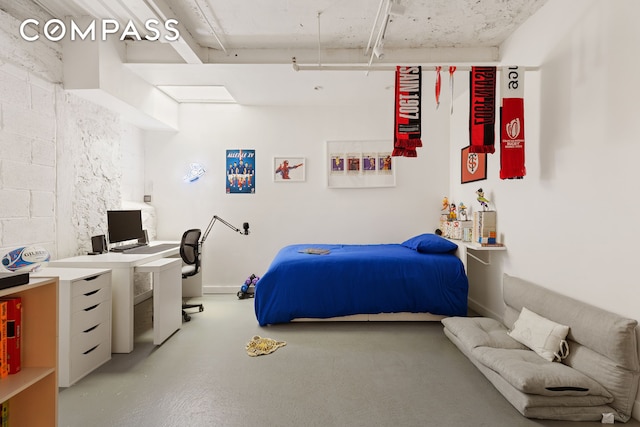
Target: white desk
84,320
167,296
122,267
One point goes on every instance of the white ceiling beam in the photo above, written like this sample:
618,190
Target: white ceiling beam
186,45
139,11
96,9
125,11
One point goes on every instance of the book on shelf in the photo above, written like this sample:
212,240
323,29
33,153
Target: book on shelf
4,366
14,334
455,229
484,227
4,414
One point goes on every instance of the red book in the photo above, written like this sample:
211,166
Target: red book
14,334
4,366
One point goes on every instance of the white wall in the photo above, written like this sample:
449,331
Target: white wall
565,223
286,213
569,224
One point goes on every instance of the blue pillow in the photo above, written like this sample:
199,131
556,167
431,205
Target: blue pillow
429,243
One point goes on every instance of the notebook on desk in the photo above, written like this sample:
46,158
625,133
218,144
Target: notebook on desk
152,249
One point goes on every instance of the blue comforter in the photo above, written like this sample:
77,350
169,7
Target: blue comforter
359,279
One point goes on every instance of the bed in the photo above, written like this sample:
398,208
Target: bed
324,281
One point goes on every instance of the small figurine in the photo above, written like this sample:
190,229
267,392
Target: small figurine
483,201
445,203
452,212
462,211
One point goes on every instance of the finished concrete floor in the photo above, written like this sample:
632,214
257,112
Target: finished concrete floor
329,374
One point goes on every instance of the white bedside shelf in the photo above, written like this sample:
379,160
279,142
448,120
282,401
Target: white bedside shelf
466,249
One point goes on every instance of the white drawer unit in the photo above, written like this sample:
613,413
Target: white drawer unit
84,320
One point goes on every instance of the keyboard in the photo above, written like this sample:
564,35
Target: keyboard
152,249
124,248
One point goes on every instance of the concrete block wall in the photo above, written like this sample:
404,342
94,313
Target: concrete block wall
61,163
28,159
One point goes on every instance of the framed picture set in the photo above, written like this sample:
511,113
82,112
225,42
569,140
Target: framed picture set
473,166
360,164
289,169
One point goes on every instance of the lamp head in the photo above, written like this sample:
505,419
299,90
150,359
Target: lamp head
378,50
245,226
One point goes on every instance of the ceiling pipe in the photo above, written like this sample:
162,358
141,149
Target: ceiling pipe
373,28
211,27
363,67
393,7
377,47
319,45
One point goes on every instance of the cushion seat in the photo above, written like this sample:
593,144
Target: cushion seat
597,374
481,331
529,373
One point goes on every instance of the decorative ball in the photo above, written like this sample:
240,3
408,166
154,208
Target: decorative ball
25,259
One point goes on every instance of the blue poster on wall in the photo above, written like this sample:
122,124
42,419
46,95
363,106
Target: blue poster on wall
241,170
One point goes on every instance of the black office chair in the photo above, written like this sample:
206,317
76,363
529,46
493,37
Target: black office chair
190,253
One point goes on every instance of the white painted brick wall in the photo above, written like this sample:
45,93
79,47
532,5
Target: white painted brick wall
13,147
89,171
42,58
43,204
60,156
25,231
15,203
25,175
27,162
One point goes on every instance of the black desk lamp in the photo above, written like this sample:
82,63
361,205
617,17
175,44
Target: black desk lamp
245,227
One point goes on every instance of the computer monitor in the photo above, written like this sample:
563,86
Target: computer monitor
124,225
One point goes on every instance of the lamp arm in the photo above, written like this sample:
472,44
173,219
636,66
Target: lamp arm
210,226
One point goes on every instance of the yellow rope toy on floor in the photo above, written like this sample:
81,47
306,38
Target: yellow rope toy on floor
259,346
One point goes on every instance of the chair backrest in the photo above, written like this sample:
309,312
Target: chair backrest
190,248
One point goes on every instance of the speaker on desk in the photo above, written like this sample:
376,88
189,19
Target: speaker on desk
99,244
144,239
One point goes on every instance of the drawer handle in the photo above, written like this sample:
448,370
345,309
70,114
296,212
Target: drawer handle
90,329
92,278
91,293
92,307
91,349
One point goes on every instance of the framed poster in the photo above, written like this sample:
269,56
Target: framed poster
241,171
473,166
360,164
288,169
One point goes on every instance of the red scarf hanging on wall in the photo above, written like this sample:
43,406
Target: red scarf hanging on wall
482,110
408,109
512,123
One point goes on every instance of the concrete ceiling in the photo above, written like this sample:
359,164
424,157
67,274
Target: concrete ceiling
249,45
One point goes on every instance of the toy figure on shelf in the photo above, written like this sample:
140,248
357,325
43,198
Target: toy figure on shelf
445,203
452,212
483,201
462,211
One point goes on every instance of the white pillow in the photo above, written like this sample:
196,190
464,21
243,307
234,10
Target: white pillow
545,337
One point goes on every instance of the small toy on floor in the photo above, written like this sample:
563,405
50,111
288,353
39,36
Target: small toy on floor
248,288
